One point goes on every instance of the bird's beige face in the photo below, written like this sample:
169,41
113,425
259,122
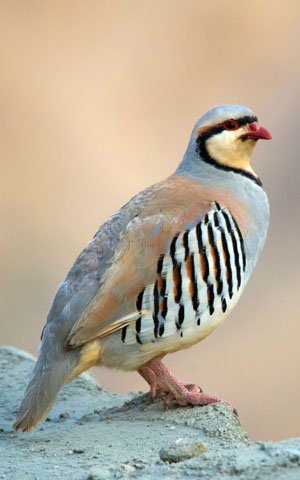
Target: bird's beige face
229,143
229,149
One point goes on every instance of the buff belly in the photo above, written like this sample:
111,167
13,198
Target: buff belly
132,355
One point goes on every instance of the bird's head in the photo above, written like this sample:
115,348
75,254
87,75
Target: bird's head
226,136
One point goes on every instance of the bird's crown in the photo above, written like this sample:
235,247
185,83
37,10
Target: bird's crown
222,113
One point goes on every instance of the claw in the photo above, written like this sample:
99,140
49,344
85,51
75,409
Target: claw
193,388
173,391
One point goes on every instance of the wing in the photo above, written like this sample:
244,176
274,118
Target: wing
164,261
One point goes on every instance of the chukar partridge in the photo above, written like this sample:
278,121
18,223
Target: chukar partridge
163,272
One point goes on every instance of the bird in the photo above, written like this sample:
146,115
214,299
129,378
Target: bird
163,272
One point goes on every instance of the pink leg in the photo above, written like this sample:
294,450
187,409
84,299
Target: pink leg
150,378
163,382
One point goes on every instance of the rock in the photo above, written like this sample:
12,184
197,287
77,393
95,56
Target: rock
78,450
181,450
96,435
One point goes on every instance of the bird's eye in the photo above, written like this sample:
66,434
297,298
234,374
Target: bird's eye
231,125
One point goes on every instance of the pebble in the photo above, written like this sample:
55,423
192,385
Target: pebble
63,416
181,450
76,450
129,468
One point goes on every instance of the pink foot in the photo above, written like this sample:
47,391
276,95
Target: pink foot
163,382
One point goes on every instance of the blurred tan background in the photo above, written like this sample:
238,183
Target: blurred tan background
98,99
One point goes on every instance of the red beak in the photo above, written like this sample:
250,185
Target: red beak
257,132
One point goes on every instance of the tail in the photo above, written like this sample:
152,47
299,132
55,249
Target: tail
49,375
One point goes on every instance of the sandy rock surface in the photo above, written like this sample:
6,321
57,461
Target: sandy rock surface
94,434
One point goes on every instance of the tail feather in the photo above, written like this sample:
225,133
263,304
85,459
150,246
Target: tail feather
47,379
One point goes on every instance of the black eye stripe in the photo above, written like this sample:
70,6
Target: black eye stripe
245,120
215,129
